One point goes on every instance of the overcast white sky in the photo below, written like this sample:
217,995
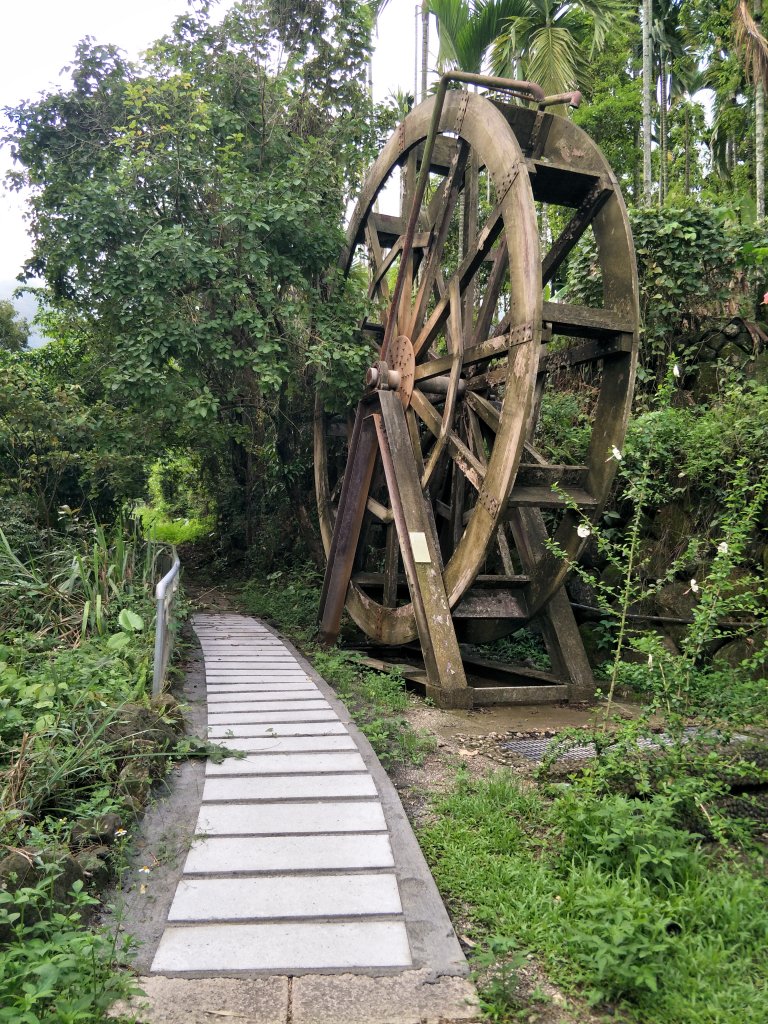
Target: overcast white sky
39,37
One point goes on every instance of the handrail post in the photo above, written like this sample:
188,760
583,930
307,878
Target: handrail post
165,591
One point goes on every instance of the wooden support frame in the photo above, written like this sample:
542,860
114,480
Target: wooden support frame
456,445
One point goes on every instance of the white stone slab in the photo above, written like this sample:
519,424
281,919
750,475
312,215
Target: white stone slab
283,947
232,648
256,683
231,642
237,645
261,688
247,855
244,686
288,787
259,696
251,664
243,717
281,896
240,644
291,763
230,652
329,727
242,691
221,675
248,657
247,664
280,744
319,704
289,818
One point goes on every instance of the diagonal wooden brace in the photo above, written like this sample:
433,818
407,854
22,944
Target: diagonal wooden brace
446,680
349,519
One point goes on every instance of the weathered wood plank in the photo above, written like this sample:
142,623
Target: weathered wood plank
346,531
584,321
543,497
447,683
589,352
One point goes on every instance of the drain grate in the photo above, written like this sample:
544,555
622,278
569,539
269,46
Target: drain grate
535,748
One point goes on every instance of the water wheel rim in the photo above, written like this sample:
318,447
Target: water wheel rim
567,149
473,119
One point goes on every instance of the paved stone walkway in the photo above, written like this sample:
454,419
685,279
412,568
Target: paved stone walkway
294,868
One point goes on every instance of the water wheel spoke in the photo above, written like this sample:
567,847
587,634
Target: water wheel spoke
534,454
489,305
391,565
378,274
486,410
452,388
493,348
590,206
469,464
475,437
447,199
465,273
469,233
505,553
378,510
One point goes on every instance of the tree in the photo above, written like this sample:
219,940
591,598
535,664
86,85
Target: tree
646,18
14,329
547,41
185,213
753,47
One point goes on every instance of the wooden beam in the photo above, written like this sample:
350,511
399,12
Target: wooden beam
447,683
584,321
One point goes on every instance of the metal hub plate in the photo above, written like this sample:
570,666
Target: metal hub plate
400,357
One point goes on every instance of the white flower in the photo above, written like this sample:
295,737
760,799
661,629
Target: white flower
120,832
583,530
676,371
650,661
144,870
722,548
615,453
695,586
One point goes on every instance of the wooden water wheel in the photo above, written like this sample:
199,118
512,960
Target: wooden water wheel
445,511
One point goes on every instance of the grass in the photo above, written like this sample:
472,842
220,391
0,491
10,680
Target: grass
616,896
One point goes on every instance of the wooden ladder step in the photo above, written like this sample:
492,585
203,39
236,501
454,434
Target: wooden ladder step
544,497
485,696
585,321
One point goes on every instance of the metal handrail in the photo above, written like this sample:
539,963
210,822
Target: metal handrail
165,592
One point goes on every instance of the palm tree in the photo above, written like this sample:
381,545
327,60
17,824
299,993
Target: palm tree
676,69
546,41
750,41
646,19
